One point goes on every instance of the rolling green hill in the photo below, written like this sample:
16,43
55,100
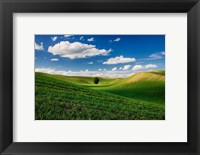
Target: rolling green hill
139,97
145,86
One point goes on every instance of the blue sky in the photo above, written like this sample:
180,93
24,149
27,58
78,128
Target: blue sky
99,55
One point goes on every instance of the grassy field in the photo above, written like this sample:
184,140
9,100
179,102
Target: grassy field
138,97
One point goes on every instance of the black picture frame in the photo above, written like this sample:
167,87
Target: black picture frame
8,7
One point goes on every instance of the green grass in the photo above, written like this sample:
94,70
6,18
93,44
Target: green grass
77,98
148,87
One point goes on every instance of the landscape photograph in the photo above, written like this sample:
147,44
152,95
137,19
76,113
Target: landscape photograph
99,77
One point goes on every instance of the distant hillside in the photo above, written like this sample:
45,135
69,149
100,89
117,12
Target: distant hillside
144,86
146,76
161,72
81,80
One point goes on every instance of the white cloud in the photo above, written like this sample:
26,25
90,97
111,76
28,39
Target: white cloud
90,39
76,50
150,66
55,59
54,38
120,68
99,69
114,69
126,67
154,56
86,70
81,37
117,39
104,69
90,63
119,60
137,67
102,73
45,70
163,53
39,47
67,35
157,55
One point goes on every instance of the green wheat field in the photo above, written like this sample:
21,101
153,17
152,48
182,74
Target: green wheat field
138,97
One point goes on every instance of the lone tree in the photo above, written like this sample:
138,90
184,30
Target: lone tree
96,80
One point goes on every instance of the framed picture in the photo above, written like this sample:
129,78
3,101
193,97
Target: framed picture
99,77
107,85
